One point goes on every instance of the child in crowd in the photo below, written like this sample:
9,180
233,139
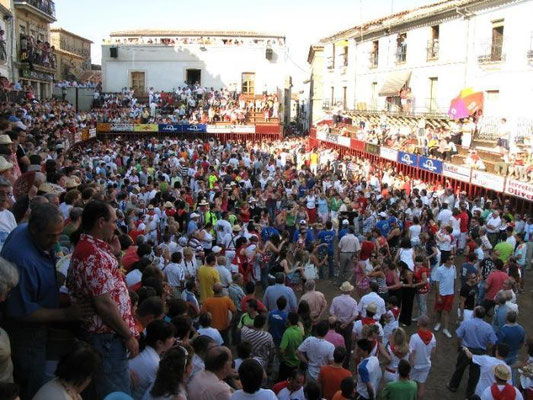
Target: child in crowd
391,318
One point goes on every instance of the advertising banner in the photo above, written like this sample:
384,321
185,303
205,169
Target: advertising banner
231,128
199,128
77,137
519,189
408,159
358,145
332,138
121,127
92,133
170,128
372,148
85,134
344,141
103,127
388,154
459,172
276,129
488,181
145,128
321,135
430,164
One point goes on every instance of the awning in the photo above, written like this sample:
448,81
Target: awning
394,82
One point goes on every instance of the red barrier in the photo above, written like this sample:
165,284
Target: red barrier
276,129
357,145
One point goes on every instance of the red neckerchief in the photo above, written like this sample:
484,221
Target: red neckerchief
395,311
507,393
367,321
395,351
425,335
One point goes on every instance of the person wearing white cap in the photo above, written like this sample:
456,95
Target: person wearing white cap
192,226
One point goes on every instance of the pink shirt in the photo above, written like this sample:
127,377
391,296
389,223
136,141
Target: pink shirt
336,339
344,307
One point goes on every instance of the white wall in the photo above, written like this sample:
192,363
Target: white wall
165,66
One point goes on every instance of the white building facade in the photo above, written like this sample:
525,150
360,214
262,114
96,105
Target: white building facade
435,51
165,60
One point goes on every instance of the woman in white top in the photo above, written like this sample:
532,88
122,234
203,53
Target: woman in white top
74,373
190,263
174,368
398,348
414,232
159,338
406,254
206,239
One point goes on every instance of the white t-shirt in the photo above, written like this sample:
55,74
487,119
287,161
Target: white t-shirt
446,278
261,394
319,352
486,373
422,351
133,277
414,231
213,334
285,394
487,394
225,275
444,216
368,370
145,367
7,224
372,297
175,274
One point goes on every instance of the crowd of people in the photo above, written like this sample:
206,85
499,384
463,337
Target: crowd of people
190,269
190,104
443,141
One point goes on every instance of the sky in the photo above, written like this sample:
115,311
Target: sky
303,22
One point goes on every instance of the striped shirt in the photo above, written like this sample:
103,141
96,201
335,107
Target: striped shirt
262,344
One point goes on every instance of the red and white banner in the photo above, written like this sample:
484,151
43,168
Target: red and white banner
519,189
344,141
488,181
459,172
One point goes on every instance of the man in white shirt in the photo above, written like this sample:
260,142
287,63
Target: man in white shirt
493,227
175,271
444,215
372,297
371,310
368,371
486,365
445,288
348,250
316,351
501,389
223,271
422,345
295,387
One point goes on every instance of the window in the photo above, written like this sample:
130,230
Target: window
374,96
492,104
497,40
374,54
401,48
333,56
137,82
345,56
433,44
332,96
432,106
248,82
344,97
22,29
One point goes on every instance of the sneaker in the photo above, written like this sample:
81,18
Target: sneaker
447,333
414,319
437,327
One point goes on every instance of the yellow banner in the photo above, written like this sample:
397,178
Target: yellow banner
145,128
103,127
341,43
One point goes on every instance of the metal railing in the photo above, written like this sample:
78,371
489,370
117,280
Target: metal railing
433,50
35,52
401,54
46,6
492,52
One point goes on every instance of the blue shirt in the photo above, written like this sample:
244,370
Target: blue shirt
342,233
383,226
191,227
277,321
514,336
308,237
267,232
323,206
476,333
500,316
466,270
37,287
329,238
273,293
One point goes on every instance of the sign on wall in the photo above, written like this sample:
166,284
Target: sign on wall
230,128
170,128
372,148
430,164
519,189
121,127
488,181
459,172
408,159
388,154
145,128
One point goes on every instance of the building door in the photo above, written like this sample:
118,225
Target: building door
497,41
374,96
432,106
137,82
194,76
344,98
248,83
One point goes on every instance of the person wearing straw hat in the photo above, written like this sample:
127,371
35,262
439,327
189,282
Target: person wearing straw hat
344,308
501,390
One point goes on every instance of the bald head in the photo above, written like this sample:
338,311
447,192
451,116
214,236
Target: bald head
217,288
218,360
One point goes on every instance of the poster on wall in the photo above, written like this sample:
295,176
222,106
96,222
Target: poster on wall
332,138
372,148
430,164
408,159
344,141
459,172
92,133
488,181
145,127
169,128
520,189
121,127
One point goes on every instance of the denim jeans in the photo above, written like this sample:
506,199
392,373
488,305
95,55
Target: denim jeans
421,301
114,375
28,352
481,291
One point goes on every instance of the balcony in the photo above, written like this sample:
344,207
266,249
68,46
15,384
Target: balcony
401,54
45,9
34,53
433,50
374,56
330,63
530,55
491,53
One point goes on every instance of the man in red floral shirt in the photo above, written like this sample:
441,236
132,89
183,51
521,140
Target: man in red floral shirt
95,275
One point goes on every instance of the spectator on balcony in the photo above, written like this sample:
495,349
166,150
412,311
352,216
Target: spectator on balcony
473,160
502,166
467,133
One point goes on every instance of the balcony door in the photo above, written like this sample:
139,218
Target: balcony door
138,82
